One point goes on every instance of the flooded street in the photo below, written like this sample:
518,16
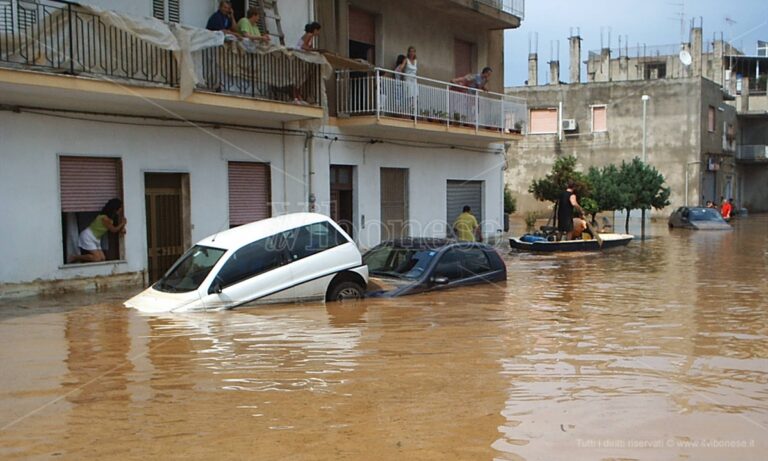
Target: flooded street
655,351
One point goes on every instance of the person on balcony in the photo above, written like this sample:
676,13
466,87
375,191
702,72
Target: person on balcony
223,19
410,69
476,81
249,26
311,31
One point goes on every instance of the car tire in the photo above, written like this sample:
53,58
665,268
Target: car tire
343,291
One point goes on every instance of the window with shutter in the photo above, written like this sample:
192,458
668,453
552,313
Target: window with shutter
166,10
543,121
599,119
86,184
249,192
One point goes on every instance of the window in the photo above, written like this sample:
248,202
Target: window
249,192
362,35
543,121
474,261
86,185
599,119
655,70
251,260
449,266
312,239
711,119
192,268
166,10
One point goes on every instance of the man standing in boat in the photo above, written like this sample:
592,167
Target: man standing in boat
565,207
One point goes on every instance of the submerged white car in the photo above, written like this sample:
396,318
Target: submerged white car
295,257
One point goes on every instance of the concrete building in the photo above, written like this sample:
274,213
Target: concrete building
197,134
695,120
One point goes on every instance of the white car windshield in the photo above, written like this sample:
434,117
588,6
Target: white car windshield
190,270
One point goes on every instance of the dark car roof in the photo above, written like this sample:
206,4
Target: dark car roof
418,243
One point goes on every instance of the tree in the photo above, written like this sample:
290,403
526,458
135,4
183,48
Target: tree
549,188
642,186
510,203
607,192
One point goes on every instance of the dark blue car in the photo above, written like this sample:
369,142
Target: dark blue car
408,266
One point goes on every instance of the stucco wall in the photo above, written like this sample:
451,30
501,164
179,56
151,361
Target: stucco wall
29,183
676,115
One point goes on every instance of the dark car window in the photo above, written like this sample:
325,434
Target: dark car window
397,261
474,261
190,271
705,214
251,260
312,239
449,265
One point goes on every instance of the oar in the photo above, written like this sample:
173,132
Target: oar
594,233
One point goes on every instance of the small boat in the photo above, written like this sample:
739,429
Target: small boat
530,242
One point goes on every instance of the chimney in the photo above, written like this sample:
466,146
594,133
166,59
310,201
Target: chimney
696,50
554,72
533,69
717,67
575,58
605,65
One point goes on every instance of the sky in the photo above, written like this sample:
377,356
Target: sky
650,22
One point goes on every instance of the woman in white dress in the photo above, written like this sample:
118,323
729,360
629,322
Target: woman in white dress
411,67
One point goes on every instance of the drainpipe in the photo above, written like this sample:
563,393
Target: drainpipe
308,152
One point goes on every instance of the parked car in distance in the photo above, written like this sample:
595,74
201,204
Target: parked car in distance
295,257
699,218
408,266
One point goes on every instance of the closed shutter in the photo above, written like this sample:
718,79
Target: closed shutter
87,183
249,192
462,193
543,121
394,202
462,58
166,10
362,26
599,121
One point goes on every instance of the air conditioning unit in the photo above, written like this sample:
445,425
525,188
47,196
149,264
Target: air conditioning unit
569,124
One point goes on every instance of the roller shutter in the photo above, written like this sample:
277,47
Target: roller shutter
87,183
461,193
249,192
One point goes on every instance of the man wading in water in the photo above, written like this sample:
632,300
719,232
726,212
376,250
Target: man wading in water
565,207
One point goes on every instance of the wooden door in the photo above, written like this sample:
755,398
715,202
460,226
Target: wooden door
166,221
394,203
342,199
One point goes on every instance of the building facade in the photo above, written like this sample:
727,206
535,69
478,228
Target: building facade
197,134
678,108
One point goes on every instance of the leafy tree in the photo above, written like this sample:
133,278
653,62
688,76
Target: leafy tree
642,186
510,204
549,188
607,190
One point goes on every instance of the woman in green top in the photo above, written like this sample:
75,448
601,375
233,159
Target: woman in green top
249,26
110,219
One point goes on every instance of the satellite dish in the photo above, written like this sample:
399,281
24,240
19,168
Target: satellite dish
685,58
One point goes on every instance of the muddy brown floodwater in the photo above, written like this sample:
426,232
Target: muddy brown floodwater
656,351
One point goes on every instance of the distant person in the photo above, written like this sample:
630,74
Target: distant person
477,81
710,204
110,219
465,227
399,66
223,19
565,206
726,209
249,26
411,68
311,31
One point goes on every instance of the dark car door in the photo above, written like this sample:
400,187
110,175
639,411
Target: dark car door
460,266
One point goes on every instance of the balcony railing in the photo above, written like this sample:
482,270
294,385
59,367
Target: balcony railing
63,37
513,7
752,152
383,93
59,36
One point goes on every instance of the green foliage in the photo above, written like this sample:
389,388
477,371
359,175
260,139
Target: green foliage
607,189
510,202
550,187
642,187
590,206
530,219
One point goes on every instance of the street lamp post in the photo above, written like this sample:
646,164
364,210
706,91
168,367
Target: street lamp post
645,99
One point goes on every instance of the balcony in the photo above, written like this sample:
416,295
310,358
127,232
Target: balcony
67,56
752,153
384,102
513,7
490,14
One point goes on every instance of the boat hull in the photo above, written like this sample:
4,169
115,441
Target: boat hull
609,241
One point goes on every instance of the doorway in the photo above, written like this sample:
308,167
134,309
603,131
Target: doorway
168,223
342,198
460,194
394,203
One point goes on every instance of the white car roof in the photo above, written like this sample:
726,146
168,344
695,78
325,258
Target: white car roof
247,233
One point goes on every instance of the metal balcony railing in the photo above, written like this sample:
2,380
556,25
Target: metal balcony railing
273,76
752,152
381,92
58,36
513,7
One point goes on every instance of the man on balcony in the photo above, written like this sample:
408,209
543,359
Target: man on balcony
223,19
477,81
249,26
